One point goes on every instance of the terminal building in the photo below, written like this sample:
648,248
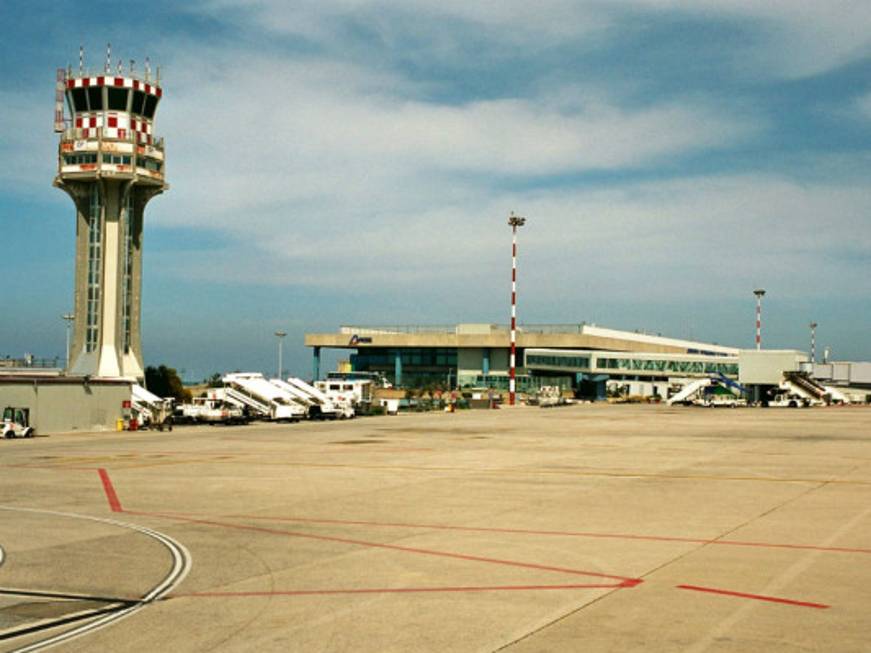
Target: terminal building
584,357
590,360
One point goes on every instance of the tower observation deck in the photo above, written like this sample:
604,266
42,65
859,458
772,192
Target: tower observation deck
110,164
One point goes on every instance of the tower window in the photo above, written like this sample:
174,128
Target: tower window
127,282
95,98
150,106
117,99
80,101
138,102
95,260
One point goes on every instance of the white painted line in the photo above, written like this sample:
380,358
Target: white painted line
180,568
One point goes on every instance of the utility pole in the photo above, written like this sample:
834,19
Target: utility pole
514,221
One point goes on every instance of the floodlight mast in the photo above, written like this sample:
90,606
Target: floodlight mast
280,335
760,293
68,317
514,221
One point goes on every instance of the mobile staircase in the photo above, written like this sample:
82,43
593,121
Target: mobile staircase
342,409
688,391
149,408
801,384
687,394
262,398
314,408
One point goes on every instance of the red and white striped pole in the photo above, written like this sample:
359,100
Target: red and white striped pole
514,221
759,295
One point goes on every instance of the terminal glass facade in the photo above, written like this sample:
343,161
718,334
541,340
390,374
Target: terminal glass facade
625,364
416,366
664,366
570,361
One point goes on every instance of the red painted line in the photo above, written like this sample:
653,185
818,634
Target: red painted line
756,597
393,590
56,468
623,581
522,531
109,489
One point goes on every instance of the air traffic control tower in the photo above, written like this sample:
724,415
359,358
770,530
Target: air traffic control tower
111,165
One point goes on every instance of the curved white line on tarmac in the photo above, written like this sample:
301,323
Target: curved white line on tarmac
2,556
181,564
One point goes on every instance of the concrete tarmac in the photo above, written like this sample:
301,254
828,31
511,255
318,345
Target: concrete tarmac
590,527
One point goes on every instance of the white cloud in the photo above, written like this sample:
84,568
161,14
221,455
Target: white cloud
511,21
28,145
795,38
305,161
268,133
802,37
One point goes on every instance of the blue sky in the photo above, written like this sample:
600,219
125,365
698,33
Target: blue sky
342,161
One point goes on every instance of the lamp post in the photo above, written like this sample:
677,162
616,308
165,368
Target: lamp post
813,326
759,295
280,335
69,317
514,221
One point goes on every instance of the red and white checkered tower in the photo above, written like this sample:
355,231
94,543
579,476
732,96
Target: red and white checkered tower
111,165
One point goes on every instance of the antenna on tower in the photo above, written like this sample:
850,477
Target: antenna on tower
81,60
158,76
147,69
60,87
108,67
132,63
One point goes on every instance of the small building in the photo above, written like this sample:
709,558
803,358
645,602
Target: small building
63,404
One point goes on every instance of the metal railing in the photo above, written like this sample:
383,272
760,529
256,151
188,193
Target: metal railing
404,328
98,134
31,363
364,330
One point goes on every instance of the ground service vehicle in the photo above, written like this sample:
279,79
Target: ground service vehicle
788,400
16,423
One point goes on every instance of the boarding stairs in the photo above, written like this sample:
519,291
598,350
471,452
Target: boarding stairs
688,391
262,397
314,407
805,387
339,408
149,408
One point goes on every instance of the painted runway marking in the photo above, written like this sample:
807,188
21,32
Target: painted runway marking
756,597
8,591
396,590
109,489
181,564
583,534
622,581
